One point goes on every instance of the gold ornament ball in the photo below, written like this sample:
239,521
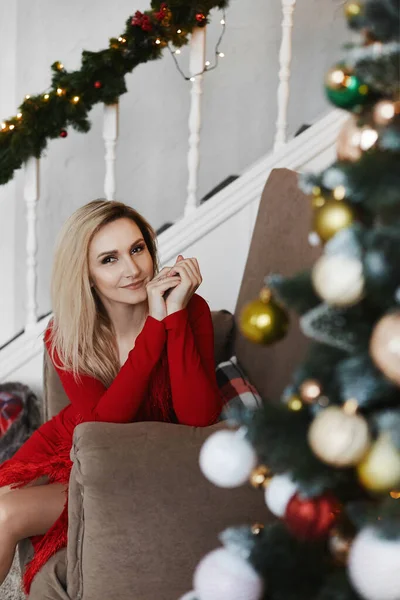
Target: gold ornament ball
352,9
260,477
332,217
338,438
263,321
379,471
385,346
310,390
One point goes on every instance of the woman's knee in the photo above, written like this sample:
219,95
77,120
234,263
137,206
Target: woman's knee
8,518
5,489
31,510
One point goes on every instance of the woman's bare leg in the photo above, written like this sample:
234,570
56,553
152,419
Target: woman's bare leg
26,512
5,489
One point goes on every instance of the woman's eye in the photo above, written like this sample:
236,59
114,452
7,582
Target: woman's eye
110,259
107,260
138,249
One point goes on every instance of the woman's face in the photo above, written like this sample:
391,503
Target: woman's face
120,263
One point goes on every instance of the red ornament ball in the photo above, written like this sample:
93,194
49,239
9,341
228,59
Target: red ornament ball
312,518
200,18
63,133
97,85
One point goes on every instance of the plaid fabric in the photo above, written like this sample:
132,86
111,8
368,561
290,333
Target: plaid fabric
234,386
10,407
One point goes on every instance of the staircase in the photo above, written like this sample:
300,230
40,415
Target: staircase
218,233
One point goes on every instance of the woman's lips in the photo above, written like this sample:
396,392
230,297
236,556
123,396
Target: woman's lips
133,286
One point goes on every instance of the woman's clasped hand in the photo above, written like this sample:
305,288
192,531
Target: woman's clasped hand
171,289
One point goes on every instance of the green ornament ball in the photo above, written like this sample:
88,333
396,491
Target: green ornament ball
344,89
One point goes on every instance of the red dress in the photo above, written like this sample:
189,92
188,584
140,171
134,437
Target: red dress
168,376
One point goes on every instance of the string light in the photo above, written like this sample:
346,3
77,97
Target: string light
60,91
60,66
158,41
295,404
368,138
207,64
27,97
339,192
3,126
122,40
19,115
11,127
76,99
46,96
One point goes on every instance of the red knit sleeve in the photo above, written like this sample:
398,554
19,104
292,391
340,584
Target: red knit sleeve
190,348
121,401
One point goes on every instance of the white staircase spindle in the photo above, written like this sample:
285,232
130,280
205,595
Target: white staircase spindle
31,196
197,58
285,57
110,136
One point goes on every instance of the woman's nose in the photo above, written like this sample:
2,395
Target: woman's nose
131,269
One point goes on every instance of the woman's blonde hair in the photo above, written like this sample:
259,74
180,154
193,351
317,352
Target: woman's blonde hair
82,337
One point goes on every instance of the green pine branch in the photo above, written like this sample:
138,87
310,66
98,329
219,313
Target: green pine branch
101,78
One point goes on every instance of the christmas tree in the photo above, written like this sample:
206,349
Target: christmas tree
327,454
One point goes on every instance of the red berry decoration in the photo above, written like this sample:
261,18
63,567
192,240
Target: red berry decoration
312,518
63,133
146,23
137,18
141,20
97,85
200,18
163,12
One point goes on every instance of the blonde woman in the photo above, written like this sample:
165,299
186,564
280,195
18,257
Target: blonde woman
129,343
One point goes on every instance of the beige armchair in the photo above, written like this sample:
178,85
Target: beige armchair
141,515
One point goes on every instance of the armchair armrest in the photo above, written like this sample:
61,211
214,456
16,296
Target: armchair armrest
141,513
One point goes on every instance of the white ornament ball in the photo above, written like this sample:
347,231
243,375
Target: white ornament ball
279,492
338,279
338,438
374,566
227,459
222,575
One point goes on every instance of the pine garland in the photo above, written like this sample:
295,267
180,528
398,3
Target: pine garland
101,78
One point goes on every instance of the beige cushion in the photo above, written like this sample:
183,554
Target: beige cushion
142,513
279,245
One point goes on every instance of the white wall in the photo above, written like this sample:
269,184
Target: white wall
8,29
238,115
